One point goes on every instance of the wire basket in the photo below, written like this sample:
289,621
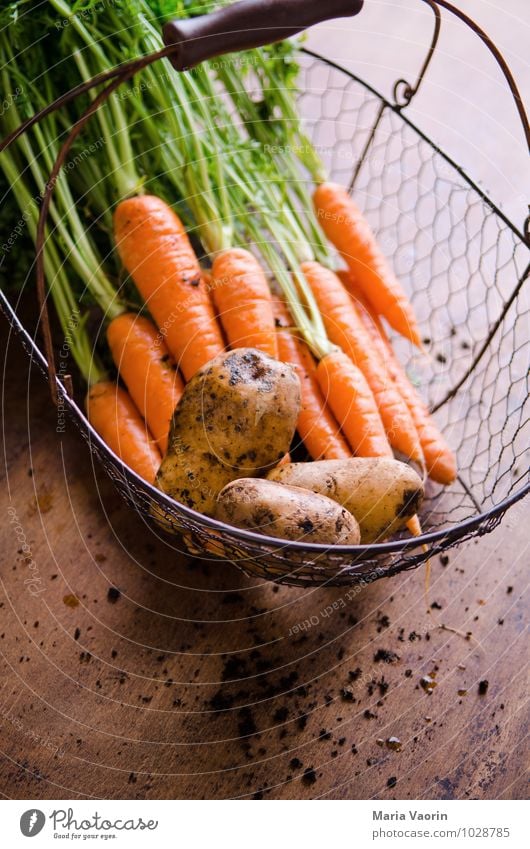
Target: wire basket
464,265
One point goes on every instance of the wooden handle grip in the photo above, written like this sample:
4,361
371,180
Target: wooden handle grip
249,23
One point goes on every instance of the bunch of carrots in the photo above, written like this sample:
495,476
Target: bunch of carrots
283,298
356,399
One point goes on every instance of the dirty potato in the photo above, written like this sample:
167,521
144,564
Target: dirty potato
381,493
236,419
287,512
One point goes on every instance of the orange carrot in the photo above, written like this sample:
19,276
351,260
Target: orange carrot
148,370
345,329
346,227
317,426
157,253
113,415
414,526
440,463
243,300
439,460
346,391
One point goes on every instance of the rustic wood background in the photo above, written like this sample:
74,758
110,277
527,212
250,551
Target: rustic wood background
130,671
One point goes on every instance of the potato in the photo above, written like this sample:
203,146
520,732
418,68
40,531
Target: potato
236,419
287,512
381,493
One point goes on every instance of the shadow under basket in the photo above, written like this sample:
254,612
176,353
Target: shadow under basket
464,266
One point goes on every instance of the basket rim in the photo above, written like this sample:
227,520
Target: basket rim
359,552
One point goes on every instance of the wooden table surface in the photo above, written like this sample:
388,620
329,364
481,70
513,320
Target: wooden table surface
131,671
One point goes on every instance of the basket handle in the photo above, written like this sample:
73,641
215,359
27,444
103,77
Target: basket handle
247,24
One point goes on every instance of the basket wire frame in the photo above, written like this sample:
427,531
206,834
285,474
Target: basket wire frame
464,266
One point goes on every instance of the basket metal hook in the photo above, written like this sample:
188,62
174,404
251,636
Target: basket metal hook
403,92
402,98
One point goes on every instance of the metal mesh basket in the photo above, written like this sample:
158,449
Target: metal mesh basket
464,265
